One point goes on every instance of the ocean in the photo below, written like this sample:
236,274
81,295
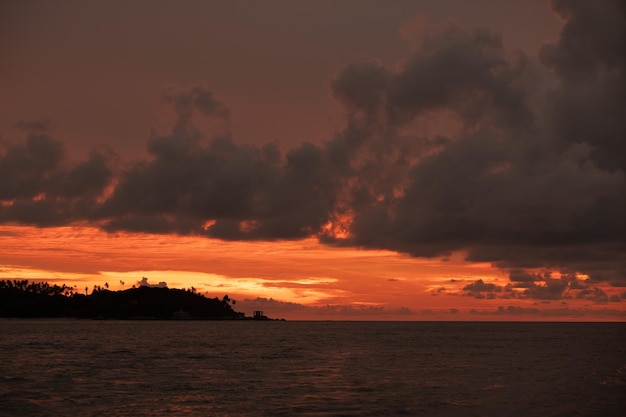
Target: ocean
277,368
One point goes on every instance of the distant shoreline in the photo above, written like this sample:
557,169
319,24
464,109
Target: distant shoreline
23,299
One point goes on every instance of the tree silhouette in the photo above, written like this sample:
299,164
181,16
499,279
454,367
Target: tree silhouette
19,298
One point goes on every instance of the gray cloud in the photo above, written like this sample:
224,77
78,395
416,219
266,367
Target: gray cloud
24,167
531,177
244,191
540,286
550,312
590,103
514,187
40,187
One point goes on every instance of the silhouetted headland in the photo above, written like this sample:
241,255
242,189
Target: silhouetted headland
19,298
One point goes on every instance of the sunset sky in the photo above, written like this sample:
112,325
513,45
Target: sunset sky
359,160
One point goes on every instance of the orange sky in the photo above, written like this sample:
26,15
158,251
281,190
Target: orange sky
133,139
338,283
270,61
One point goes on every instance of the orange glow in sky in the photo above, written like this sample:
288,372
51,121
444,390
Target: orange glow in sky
419,160
312,280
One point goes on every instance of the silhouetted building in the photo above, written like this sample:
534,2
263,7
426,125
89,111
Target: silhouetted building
258,315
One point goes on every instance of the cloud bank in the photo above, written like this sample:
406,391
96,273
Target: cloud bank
519,161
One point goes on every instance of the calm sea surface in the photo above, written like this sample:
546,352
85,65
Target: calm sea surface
203,368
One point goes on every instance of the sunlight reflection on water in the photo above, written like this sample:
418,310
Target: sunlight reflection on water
73,367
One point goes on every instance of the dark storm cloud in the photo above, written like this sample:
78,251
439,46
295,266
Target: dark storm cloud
596,294
532,176
244,191
525,285
521,276
39,187
590,103
521,185
24,167
552,289
480,286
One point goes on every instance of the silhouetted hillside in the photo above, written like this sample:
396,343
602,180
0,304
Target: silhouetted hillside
24,299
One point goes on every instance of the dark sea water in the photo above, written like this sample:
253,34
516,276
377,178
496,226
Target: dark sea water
203,368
